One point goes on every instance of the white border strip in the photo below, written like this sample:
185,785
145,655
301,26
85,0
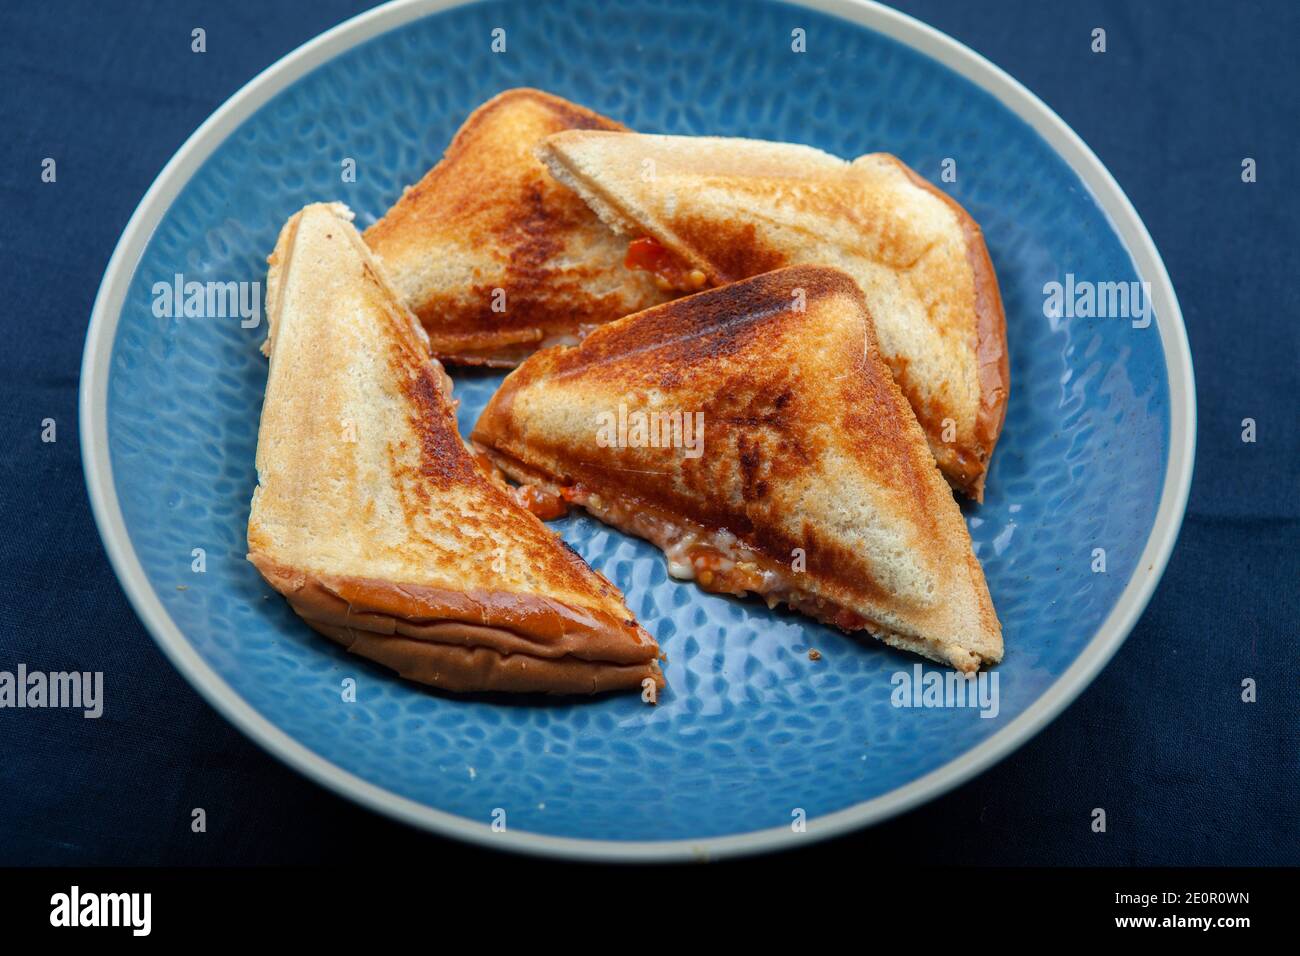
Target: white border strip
960,59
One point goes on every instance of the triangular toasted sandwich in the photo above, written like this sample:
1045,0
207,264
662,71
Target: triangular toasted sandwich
373,519
495,257
755,435
714,211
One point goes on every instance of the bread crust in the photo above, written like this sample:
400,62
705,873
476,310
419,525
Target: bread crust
990,352
471,641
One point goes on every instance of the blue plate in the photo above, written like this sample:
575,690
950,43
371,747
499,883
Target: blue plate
754,745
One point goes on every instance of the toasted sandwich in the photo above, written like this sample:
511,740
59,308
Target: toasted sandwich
708,211
493,256
373,519
753,433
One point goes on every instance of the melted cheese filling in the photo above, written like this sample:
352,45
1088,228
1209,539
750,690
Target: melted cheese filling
718,561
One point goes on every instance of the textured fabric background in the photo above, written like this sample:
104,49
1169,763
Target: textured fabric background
1188,773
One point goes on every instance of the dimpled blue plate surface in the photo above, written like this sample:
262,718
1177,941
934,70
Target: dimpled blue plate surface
750,728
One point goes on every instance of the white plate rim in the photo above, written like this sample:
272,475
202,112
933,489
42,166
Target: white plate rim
1110,635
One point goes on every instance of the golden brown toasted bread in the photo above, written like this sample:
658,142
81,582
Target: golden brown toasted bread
726,209
373,519
754,433
495,257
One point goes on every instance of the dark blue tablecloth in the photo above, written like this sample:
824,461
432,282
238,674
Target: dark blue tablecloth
1187,771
